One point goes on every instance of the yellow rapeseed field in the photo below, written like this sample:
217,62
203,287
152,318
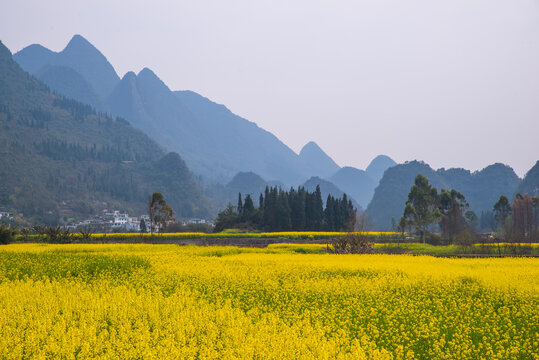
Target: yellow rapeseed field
281,302
290,235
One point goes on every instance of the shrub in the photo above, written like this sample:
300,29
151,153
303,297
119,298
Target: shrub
352,243
7,235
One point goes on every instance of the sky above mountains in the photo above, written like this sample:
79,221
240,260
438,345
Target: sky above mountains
454,83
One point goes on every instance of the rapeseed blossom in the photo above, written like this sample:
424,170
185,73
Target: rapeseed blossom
133,301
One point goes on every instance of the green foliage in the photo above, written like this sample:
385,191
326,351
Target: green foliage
159,212
481,188
452,205
62,159
502,209
426,208
530,183
142,226
421,208
297,210
7,235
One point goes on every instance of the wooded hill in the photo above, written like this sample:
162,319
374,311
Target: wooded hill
481,188
60,158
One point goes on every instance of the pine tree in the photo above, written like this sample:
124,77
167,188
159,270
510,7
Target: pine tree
240,205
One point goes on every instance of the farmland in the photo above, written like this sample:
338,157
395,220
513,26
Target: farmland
285,301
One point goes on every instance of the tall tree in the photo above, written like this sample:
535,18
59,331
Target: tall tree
240,205
317,209
502,209
142,226
523,216
452,205
421,208
248,208
160,213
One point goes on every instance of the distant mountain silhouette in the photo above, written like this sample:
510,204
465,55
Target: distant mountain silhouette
64,80
79,55
62,159
246,183
356,183
243,182
224,144
360,184
481,188
530,183
378,166
317,161
214,142
327,188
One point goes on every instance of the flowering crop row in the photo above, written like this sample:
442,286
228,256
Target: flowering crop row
135,301
292,235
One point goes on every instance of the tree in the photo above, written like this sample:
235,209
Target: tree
524,215
452,205
7,235
421,208
487,221
316,209
472,221
240,205
248,208
142,226
160,213
226,218
502,209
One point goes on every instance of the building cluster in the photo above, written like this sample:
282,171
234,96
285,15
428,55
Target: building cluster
118,221
112,221
6,215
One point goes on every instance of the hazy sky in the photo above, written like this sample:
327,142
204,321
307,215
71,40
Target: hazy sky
454,83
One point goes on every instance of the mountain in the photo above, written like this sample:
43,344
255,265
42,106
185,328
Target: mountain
317,161
327,188
65,80
214,142
356,183
481,188
243,182
62,160
247,183
229,144
530,183
378,166
80,56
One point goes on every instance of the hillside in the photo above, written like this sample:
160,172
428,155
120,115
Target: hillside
481,188
328,188
356,183
530,183
214,142
60,159
378,166
243,182
64,80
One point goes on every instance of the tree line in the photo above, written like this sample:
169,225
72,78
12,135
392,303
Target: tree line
427,211
294,210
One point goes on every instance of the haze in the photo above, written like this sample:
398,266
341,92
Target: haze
454,83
